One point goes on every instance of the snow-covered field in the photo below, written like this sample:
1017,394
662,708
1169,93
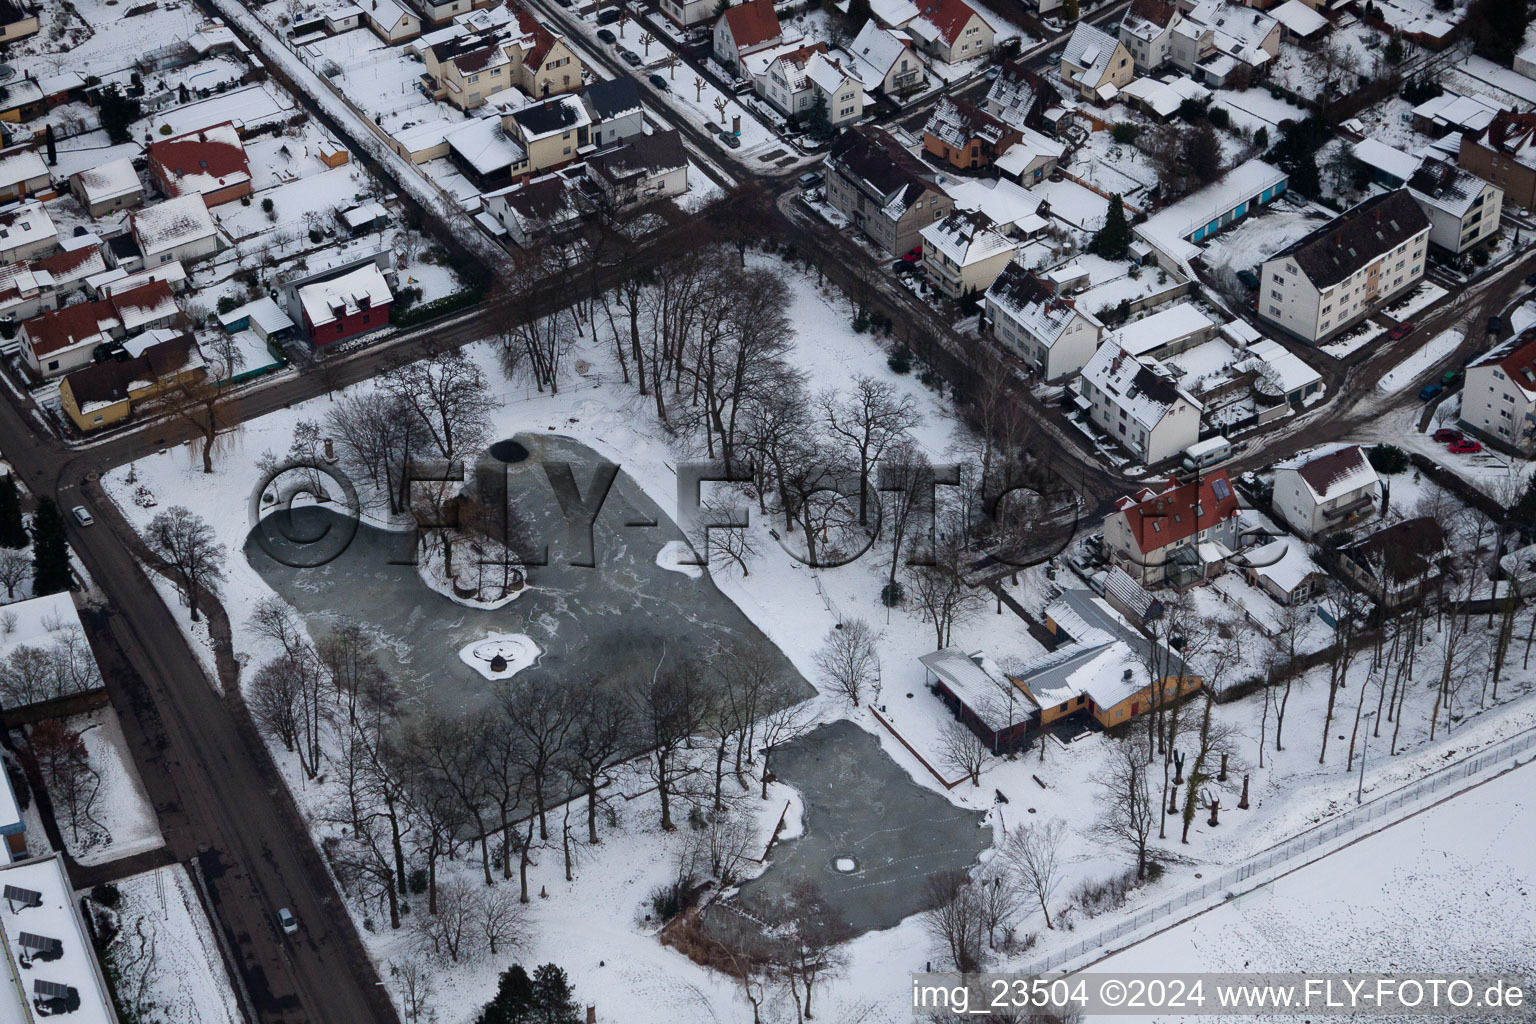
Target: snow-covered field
121,808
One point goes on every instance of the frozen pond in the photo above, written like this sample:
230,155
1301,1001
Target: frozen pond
591,622
872,836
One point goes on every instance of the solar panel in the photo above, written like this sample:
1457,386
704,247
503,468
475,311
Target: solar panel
51,989
41,943
1220,488
26,897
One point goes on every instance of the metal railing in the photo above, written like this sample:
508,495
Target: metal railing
1293,848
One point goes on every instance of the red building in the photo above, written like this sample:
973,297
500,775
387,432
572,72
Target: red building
209,162
343,307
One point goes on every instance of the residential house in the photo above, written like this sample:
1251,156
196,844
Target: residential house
779,76
1328,489
118,279
950,30
642,170
1298,21
1396,564
391,20
1387,165
1283,570
885,191
688,13
1463,209
345,306
551,132
62,340
1046,331
964,253
440,12
363,218
177,229
1104,669
468,69
1147,32
532,211
1504,155
544,64
981,696
23,173
1096,64
209,162
18,19
1180,535
1170,330
613,107
104,393
27,289
114,185
1138,404
836,88
263,317
1498,397
744,29
1347,269
885,62
965,136
488,151
26,233
1019,97
48,965
1217,40
343,19
1163,100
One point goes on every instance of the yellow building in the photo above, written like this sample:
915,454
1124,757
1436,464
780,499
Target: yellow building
105,393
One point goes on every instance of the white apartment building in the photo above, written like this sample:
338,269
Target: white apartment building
1498,399
1462,208
1320,491
1347,269
1136,402
1047,332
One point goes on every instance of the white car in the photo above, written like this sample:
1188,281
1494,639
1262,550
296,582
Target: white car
288,923
83,517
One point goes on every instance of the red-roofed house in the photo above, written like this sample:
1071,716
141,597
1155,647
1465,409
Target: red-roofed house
1180,535
1499,397
1320,491
59,342
950,30
209,162
746,28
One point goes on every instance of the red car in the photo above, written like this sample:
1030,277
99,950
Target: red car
1402,330
913,256
1445,435
1465,446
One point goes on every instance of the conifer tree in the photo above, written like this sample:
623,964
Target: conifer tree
50,551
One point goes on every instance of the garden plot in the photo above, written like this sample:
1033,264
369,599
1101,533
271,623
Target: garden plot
1306,72
250,108
1253,109
100,37
1114,168
1353,340
118,820
1074,205
1425,295
1252,240
297,206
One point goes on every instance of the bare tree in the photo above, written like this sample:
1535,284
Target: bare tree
960,751
1034,850
668,705
65,764
849,662
791,719
443,933
540,712
15,569
187,546
196,401
600,731
448,397
955,919
872,417
413,981
1129,810
940,590
499,919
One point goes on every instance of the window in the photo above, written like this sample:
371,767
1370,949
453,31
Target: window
1274,311
53,364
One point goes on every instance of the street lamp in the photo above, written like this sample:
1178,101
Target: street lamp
1365,742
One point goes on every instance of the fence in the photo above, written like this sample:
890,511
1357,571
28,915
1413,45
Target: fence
1294,847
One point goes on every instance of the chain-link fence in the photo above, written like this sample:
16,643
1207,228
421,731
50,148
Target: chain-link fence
1350,821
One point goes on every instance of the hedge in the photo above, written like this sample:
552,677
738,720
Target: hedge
436,308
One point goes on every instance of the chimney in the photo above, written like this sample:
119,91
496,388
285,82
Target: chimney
591,1015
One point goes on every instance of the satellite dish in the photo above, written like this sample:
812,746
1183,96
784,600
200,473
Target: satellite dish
6,73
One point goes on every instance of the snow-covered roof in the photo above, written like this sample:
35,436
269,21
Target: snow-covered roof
110,180
1031,146
1164,98
363,214
117,280
1174,224
212,37
39,622
427,134
1001,200
894,13
1501,79
1033,305
978,683
143,305
1445,186
264,312
1165,327
877,49
551,117
203,161
1236,31
1284,561
172,223
1148,19
486,146
21,164
1331,471
350,293
386,13
1298,18
1468,113
1106,659
71,964
1392,162
1091,49
1143,387
1287,371
25,225
956,122
966,238
826,73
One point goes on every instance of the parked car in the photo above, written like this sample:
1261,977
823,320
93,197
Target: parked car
1530,279
1450,377
810,179
713,128
631,58
915,255
1402,330
901,269
1248,279
1465,446
83,517
609,16
730,140
659,83
1495,324
1445,435
1429,391
287,922
607,36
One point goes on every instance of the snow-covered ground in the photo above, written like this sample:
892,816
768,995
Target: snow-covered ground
121,808
1412,368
